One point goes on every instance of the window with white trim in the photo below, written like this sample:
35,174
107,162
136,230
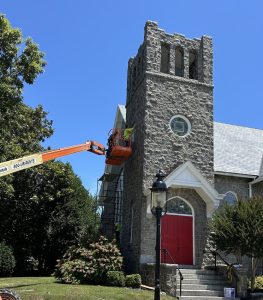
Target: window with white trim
180,125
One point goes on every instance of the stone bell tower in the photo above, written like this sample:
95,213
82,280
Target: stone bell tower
170,105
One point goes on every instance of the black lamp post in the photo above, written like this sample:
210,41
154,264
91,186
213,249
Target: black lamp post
158,208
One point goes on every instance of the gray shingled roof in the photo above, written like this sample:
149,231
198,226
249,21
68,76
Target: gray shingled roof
238,149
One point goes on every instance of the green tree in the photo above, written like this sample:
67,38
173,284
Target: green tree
45,209
7,260
238,229
49,215
22,128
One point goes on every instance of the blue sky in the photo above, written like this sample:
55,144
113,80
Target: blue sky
88,44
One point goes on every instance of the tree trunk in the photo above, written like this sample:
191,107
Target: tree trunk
254,261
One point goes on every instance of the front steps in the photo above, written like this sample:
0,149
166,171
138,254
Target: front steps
202,285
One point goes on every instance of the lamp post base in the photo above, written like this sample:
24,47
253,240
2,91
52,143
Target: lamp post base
157,292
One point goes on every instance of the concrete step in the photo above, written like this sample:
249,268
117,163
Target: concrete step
214,287
202,276
202,285
197,271
219,281
202,293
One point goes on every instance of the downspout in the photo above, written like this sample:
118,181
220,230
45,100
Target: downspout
250,193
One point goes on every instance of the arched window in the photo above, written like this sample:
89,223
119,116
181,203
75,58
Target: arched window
178,206
179,61
230,198
165,58
193,74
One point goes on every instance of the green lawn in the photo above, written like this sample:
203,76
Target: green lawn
45,288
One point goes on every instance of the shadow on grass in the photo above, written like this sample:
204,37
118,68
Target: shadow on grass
21,285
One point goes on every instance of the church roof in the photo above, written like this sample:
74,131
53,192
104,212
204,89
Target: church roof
238,149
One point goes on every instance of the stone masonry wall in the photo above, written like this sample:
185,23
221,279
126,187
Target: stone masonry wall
154,36
168,96
153,98
133,177
238,185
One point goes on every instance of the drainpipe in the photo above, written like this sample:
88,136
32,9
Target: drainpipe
250,189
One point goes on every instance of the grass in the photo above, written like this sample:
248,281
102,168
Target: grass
45,288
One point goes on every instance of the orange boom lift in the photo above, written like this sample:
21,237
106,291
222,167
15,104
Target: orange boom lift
118,152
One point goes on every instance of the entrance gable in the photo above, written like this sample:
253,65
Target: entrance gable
187,176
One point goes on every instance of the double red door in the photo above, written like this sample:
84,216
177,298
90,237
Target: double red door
177,239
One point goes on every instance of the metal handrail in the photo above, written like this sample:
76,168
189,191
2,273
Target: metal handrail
179,271
230,266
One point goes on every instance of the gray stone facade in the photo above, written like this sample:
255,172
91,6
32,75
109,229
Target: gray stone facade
153,98
155,94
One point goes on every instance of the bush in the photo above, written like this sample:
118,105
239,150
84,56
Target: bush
7,260
115,278
89,264
259,282
133,280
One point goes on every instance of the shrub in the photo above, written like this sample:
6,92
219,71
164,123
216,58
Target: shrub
89,264
7,260
259,282
115,278
133,280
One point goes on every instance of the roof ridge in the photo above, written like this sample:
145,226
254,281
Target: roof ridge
240,126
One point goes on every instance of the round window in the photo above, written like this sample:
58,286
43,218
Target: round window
180,125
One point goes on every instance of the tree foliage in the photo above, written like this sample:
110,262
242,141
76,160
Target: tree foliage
45,209
18,65
52,213
7,260
238,229
22,127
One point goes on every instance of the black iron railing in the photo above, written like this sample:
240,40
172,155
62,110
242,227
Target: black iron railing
165,251
230,271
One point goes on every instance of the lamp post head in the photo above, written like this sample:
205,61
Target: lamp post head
158,192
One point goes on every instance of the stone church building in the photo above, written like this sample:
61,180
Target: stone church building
170,105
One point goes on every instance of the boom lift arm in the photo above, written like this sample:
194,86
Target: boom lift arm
29,161
118,152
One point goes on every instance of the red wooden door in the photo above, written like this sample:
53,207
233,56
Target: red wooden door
177,239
